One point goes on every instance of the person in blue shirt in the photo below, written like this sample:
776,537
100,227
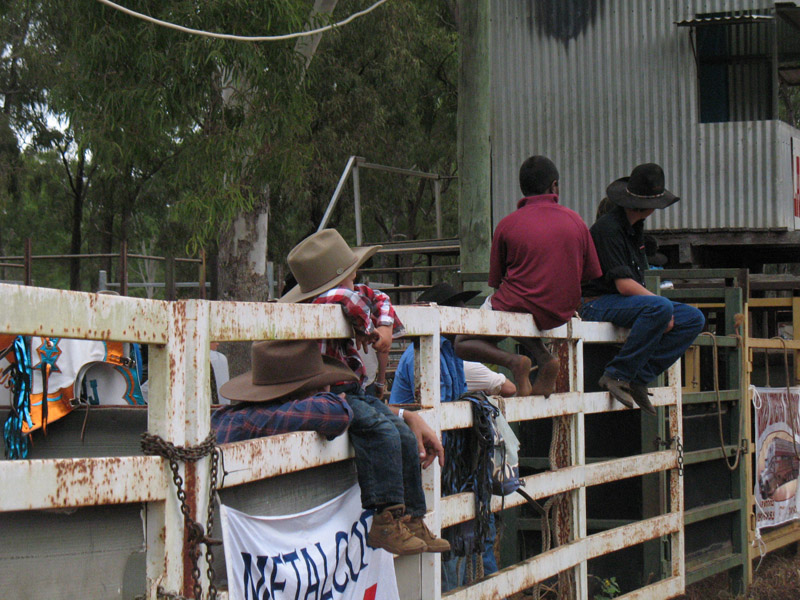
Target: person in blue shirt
453,384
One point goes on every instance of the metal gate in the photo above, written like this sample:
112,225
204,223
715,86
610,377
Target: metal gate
179,411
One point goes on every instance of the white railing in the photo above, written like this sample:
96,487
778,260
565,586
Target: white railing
179,411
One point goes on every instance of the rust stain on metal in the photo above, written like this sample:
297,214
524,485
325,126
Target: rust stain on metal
90,474
561,352
190,487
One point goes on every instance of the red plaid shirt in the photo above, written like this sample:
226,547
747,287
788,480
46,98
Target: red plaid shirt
365,309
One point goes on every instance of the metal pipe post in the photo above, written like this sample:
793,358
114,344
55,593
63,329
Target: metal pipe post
437,199
123,268
169,278
357,204
28,262
337,192
202,274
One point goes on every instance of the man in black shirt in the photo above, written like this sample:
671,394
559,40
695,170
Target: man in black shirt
661,329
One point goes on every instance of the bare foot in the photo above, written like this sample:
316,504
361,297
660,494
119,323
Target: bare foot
521,370
546,379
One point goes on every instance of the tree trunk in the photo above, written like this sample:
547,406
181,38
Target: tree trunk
78,193
242,270
241,267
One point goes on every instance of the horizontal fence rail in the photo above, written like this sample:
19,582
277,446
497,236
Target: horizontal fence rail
179,411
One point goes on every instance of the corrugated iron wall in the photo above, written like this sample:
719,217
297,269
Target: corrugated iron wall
602,85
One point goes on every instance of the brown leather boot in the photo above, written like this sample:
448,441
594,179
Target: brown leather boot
420,530
389,531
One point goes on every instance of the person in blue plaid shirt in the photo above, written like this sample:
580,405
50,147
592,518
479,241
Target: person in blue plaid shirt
287,389
389,443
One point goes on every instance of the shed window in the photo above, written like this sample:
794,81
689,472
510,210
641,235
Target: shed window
734,66
748,64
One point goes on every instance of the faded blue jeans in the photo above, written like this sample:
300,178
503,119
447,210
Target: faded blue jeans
648,351
387,458
453,577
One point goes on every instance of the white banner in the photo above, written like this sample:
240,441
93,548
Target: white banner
777,455
321,554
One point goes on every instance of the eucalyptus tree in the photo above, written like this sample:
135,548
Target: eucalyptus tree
385,88
210,124
24,63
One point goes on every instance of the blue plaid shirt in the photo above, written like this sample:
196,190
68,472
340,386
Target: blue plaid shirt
324,412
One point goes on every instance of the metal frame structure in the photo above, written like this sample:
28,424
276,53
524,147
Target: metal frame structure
179,411
702,453
124,257
354,163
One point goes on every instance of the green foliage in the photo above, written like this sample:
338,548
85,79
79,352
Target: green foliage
609,589
213,120
385,88
180,133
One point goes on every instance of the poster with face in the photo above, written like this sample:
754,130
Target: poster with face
777,429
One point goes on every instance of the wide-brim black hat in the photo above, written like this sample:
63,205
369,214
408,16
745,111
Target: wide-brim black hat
644,189
445,294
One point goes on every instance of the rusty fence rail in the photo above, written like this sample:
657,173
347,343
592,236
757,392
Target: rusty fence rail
179,411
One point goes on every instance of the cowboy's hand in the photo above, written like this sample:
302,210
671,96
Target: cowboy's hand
364,340
428,444
384,341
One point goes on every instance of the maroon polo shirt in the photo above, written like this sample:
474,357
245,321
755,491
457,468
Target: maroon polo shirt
540,255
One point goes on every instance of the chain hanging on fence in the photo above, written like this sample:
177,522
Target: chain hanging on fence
659,443
155,445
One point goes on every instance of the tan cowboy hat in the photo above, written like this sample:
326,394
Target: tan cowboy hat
284,366
322,261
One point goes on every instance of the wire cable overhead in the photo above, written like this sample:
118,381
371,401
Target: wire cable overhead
241,38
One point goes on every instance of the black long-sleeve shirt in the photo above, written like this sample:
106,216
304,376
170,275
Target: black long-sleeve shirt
620,248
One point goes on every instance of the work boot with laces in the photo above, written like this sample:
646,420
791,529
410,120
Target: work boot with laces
390,531
420,530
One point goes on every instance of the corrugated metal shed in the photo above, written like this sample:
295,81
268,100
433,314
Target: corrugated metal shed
600,86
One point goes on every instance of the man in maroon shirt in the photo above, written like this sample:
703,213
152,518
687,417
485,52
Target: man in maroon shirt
540,255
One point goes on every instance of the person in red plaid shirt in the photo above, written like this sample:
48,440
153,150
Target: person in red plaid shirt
370,313
389,443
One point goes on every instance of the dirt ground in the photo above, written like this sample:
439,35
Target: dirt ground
778,578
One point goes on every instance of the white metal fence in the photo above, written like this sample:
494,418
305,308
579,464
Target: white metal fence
179,411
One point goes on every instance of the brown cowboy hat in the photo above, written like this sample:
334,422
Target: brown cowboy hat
643,190
322,261
445,294
282,367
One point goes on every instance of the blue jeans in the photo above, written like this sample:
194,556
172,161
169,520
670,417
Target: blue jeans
453,577
648,351
386,452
